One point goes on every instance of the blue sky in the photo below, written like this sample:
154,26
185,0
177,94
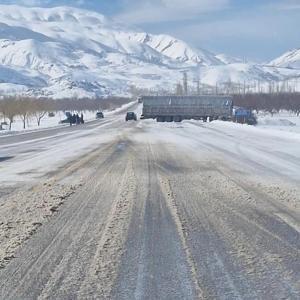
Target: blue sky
256,30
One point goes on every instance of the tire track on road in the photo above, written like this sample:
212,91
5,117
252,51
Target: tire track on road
154,265
17,275
205,204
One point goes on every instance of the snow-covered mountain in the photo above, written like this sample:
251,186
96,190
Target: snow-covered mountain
290,59
70,52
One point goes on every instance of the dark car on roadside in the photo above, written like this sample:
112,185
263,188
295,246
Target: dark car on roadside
65,121
131,116
99,115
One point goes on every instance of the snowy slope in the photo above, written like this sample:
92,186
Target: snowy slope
70,52
290,59
226,59
236,73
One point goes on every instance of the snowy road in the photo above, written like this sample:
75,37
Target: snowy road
143,210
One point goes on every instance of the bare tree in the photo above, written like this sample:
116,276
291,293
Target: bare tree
40,109
9,109
25,109
271,103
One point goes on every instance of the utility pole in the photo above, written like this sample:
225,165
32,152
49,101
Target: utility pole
185,83
198,87
197,81
179,89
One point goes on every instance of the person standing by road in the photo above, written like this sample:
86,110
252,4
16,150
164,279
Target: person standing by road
81,119
77,119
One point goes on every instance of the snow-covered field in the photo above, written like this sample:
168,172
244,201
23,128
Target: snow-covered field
50,122
47,122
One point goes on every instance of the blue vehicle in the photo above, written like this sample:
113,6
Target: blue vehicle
243,115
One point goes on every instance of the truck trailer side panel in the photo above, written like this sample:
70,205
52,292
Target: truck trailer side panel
190,107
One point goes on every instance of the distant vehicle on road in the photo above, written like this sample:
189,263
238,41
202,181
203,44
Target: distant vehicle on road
130,116
99,115
178,108
140,100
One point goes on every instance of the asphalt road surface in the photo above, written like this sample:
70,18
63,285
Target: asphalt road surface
157,211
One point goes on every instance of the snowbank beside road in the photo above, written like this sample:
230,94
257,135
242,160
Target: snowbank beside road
283,121
277,122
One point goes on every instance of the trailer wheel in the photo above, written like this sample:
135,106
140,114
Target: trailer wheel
160,119
177,119
169,119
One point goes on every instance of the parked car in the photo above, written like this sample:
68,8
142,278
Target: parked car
131,116
65,121
3,125
68,117
99,115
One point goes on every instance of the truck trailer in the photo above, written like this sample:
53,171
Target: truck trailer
178,108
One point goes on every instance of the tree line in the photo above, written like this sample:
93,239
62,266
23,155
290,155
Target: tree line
37,108
271,103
